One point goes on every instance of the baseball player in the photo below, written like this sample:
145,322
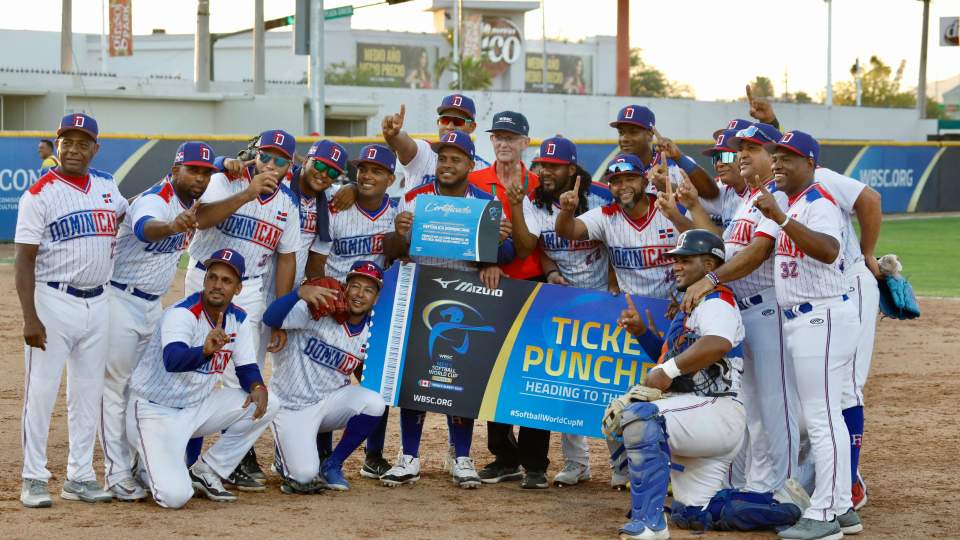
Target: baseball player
254,214
578,264
312,380
419,159
698,427
637,236
636,128
65,240
455,160
733,188
162,222
820,326
173,395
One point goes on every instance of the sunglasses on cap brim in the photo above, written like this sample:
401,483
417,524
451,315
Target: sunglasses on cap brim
624,167
751,132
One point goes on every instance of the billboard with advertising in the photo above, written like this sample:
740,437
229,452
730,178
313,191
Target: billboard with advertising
396,65
566,74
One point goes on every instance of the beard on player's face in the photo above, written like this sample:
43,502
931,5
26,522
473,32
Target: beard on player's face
628,190
555,178
190,181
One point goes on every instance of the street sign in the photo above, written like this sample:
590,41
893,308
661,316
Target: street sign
338,12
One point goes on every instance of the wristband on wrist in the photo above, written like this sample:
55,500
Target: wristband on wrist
712,276
687,164
670,368
256,384
785,221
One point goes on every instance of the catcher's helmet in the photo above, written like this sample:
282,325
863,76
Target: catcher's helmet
699,242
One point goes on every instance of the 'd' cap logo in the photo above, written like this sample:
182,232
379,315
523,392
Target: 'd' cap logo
628,113
787,136
78,121
227,255
451,137
204,153
335,153
732,124
371,153
457,100
278,138
720,138
551,149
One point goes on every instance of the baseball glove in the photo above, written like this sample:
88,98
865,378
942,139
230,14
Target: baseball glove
897,300
336,308
611,417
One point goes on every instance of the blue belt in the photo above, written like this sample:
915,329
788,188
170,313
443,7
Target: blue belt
747,303
200,266
135,291
805,307
73,291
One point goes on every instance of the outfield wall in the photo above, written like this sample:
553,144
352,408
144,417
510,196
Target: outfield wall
911,177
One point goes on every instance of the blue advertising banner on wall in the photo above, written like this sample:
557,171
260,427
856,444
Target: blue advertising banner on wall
897,172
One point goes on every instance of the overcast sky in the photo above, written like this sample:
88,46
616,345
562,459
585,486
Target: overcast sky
715,47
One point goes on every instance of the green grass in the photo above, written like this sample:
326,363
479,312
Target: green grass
929,250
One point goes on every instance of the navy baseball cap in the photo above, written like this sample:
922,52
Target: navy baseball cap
625,164
457,139
230,258
279,139
513,122
460,103
721,142
736,124
637,115
378,154
330,153
79,122
367,269
757,133
196,153
797,142
557,150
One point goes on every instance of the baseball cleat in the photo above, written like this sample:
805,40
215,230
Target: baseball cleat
208,482
331,474
406,471
534,480
128,490
465,473
89,491
34,494
637,530
619,480
850,522
859,494
244,482
572,474
251,467
812,529
496,472
374,466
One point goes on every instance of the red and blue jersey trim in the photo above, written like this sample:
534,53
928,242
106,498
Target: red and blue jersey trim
723,293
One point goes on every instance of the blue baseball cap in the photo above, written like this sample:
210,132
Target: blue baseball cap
330,153
624,164
797,142
279,139
721,142
736,124
557,150
460,103
79,122
457,139
229,257
513,122
378,154
757,133
367,269
195,153
637,115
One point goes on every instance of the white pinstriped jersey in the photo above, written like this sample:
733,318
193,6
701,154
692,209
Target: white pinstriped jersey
724,206
318,359
637,249
408,203
800,278
150,266
187,322
257,230
422,169
845,191
583,263
355,235
74,223
748,223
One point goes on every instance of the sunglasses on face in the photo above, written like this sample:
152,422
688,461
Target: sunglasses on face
454,121
267,158
748,133
320,166
724,157
623,167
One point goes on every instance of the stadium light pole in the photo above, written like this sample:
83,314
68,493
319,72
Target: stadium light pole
543,27
66,36
259,53
201,48
829,101
922,83
317,75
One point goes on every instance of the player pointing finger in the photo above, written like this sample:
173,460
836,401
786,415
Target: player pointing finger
571,199
393,124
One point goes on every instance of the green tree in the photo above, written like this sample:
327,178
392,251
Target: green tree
880,87
340,74
474,75
648,81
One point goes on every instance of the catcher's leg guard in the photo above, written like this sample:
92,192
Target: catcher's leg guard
691,517
648,458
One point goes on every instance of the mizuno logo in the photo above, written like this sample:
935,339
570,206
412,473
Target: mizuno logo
477,289
445,283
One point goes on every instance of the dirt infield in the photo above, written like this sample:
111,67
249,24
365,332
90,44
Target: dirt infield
910,450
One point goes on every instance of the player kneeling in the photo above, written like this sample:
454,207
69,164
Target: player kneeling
312,378
696,428
172,394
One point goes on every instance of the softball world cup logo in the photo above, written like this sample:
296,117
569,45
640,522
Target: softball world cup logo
450,324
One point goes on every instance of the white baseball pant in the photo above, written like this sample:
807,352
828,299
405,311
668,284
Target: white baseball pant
160,435
865,295
575,448
76,337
